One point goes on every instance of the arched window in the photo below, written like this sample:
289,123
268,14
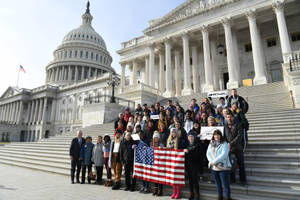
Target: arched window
83,36
87,37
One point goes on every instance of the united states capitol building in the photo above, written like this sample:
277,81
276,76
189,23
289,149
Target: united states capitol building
201,46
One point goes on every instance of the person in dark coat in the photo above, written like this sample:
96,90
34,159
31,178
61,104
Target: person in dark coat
75,148
234,136
127,160
192,165
182,136
235,98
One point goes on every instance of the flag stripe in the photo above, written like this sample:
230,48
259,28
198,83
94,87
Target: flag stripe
160,181
145,168
157,167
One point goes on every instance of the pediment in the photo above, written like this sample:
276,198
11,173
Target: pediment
186,10
10,91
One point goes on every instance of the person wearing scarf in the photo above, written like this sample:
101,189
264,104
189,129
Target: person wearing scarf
219,163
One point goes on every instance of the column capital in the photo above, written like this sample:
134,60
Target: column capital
167,40
278,5
226,21
251,14
184,35
204,28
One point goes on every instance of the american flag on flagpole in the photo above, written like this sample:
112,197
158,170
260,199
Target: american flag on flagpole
22,69
159,165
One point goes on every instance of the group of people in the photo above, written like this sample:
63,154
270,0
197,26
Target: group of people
175,128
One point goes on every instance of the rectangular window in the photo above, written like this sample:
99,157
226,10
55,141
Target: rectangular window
70,54
295,36
86,54
92,55
81,54
248,47
75,54
97,57
271,42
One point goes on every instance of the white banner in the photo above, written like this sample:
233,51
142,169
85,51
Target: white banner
135,137
154,117
217,94
207,131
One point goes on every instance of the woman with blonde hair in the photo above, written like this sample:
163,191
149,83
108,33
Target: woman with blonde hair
172,143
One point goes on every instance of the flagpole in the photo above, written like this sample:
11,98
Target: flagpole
18,77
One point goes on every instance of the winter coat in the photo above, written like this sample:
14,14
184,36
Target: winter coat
221,157
234,137
111,154
75,148
242,103
126,151
86,153
98,157
193,156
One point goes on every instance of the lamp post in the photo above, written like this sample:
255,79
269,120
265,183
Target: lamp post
113,82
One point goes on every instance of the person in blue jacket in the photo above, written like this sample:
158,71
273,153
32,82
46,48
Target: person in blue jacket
86,153
219,162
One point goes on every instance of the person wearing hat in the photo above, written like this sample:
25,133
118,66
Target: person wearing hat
192,164
115,160
157,143
127,160
86,153
106,149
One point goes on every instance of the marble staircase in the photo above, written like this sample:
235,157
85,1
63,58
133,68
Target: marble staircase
272,156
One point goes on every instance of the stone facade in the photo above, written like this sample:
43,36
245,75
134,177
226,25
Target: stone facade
205,45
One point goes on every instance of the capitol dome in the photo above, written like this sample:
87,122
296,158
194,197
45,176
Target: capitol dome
81,55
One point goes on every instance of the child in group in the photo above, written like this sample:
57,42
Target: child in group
86,153
106,149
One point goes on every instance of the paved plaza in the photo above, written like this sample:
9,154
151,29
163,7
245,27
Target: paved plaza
24,184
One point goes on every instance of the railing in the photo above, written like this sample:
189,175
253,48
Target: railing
142,87
107,99
295,61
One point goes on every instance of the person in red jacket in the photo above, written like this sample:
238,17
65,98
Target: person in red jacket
127,115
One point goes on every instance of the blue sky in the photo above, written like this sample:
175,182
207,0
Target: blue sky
32,29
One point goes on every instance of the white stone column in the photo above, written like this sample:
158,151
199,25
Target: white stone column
196,83
161,72
53,110
12,113
134,72
75,107
16,112
44,113
56,74
76,73
123,66
89,73
178,75
69,73
236,57
257,51
233,80
187,88
41,104
32,111
169,79
82,72
147,70
278,8
207,61
36,111
151,66
28,111
20,114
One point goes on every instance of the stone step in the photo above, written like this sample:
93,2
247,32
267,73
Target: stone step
275,192
281,130
273,164
273,144
287,111
64,149
272,150
268,172
274,117
274,139
274,122
290,157
267,135
40,159
58,155
275,125
62,152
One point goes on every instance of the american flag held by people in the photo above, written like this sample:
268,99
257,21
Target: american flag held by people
159,165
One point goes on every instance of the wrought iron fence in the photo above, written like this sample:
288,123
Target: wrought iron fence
107,99
295,62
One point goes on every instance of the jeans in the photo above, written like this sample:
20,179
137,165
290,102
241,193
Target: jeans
222,179
108,169
242,173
